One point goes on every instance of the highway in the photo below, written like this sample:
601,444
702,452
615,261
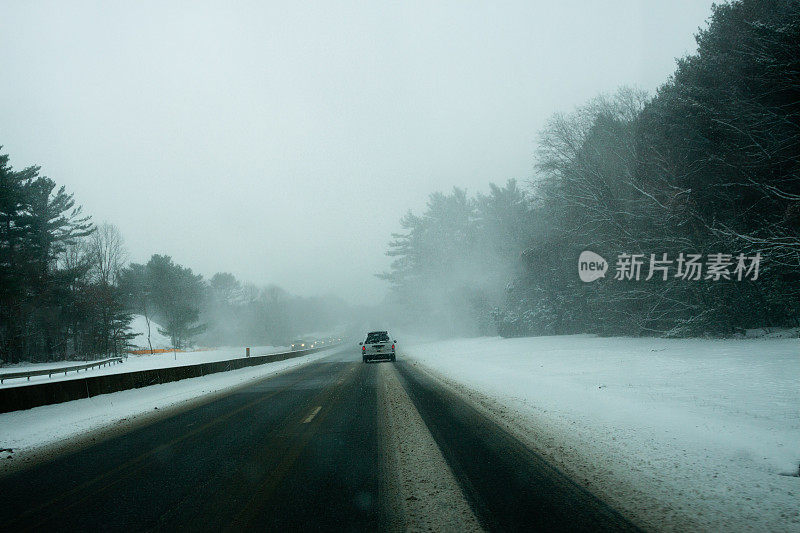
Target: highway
332,445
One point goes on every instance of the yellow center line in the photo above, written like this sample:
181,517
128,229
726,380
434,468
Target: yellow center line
310,417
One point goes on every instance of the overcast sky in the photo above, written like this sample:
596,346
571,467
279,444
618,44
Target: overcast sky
282,141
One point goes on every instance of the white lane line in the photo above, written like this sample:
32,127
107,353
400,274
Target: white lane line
310,417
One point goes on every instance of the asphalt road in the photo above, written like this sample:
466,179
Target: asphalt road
298,451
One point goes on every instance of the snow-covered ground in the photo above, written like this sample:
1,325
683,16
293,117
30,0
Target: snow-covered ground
34,429
139,328
679,434
138,362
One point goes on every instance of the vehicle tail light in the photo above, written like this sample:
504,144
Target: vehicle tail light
392,346
363,348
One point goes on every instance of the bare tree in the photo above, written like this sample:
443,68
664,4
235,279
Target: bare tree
108,254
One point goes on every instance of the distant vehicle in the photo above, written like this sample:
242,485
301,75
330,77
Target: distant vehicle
378,345
302,345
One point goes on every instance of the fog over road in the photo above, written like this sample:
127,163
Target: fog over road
336,444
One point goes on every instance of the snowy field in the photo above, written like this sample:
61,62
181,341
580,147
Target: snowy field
30,430
137,362
156,341
679,434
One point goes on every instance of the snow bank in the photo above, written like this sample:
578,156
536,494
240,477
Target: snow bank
683,434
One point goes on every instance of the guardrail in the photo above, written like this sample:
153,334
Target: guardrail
50,371
34,395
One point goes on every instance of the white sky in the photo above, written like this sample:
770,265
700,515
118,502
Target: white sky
282,141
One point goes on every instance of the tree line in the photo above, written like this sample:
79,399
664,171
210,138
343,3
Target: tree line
221,310
67,290
709,164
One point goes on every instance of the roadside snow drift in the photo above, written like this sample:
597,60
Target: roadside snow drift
679,434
